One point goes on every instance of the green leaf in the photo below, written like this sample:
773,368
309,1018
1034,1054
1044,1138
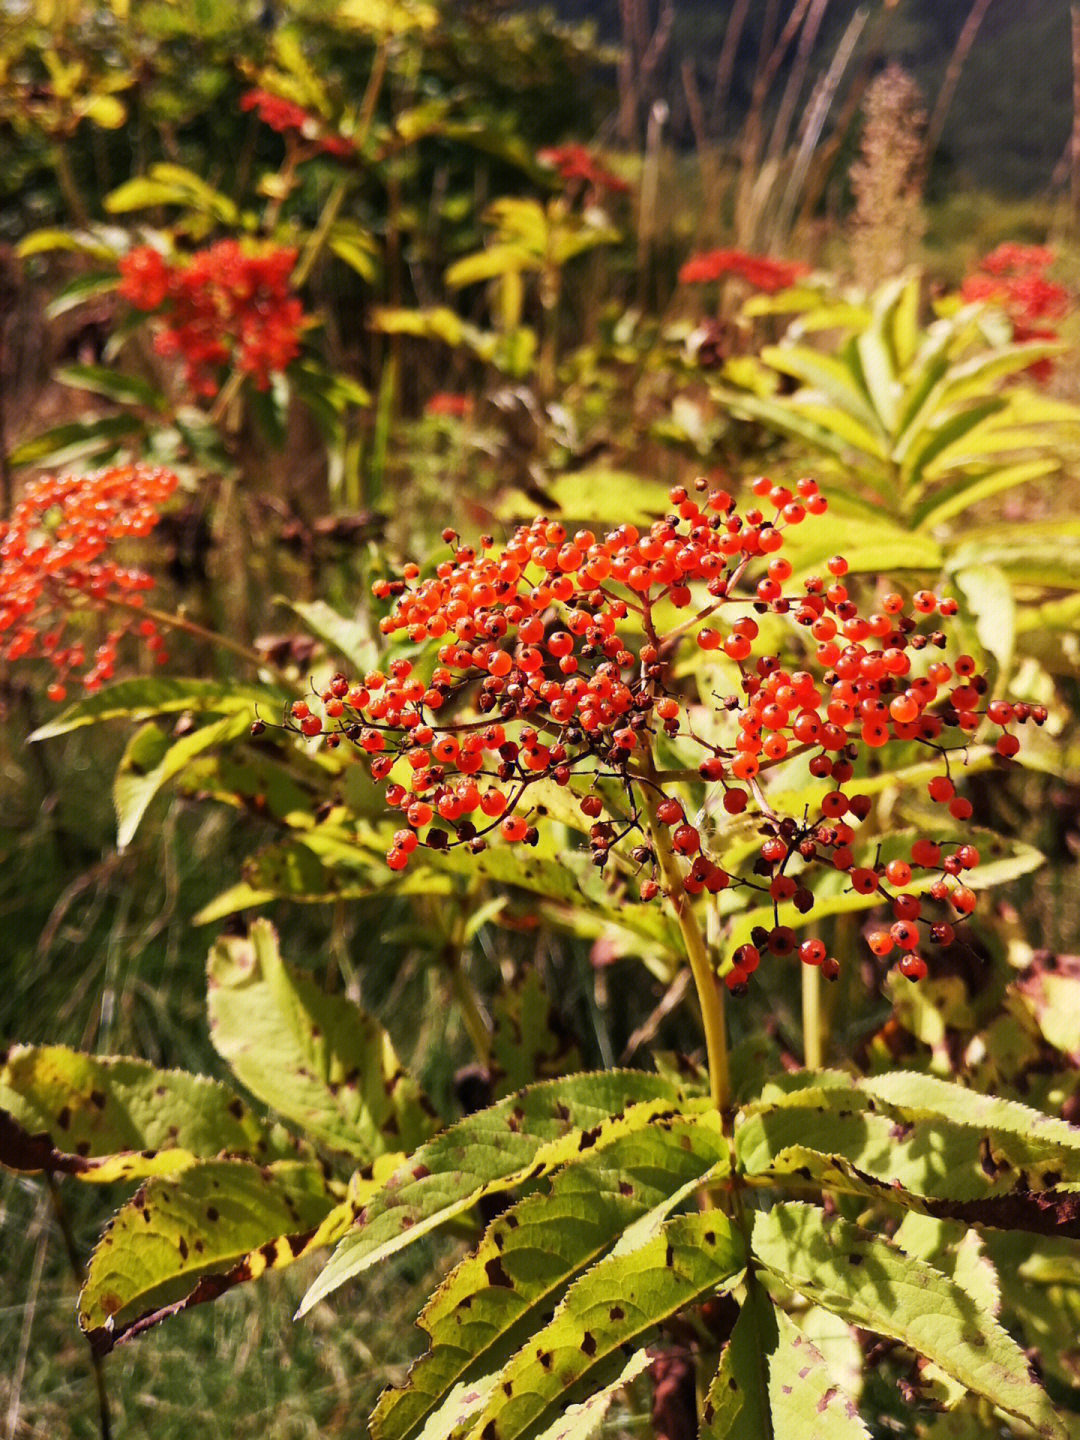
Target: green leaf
169,184
621,1299
318,1059
76,292
525,1135
123,389
948,501
989,598
153,758
803,1397
224,1221
143,698
105,111
841,1144
829,374
291,871
496,261
737,1405
113,1118
870,1283
579,1422
946,429
880,377
80,242
601,496
927,1097
490,1302
530,1040
349,638
353,244
77,440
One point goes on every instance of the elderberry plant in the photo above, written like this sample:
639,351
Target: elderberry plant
622,1220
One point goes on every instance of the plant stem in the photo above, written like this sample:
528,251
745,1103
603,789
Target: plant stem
811,1016
710,995
214,637
97,1361
471,1015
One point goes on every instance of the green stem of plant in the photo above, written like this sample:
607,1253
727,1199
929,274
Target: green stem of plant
710,995
69,186
811,1017
97,1363
471,1015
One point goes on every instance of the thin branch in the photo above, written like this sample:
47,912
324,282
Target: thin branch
976,15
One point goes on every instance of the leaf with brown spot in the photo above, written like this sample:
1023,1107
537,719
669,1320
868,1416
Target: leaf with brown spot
112,1118
188,1238
905,1299
523,1136
547,1238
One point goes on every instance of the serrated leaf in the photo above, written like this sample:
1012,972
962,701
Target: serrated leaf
619,1300
927,1097
525,1135
153,758
489,1303
907,1141
224,1221
737,1404
868,1282
113,1118
804,1400
579,1422
143,698
318,1059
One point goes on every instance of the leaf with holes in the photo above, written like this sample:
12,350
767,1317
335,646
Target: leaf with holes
318,1059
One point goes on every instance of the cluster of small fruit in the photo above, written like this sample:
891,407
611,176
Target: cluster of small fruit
549,666
53,563
229,304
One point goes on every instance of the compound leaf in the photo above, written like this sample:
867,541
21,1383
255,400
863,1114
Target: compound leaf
524,1136
489,1303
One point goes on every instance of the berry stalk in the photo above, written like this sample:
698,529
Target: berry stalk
710,995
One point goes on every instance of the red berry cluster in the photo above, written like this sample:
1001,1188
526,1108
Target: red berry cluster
54,561
759,271
548,665
290,119
1014,277
222,305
